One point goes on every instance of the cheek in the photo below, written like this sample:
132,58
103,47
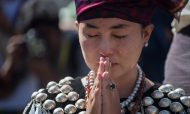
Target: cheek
89,51
130,49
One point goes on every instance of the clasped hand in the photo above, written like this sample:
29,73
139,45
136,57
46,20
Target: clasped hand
103,99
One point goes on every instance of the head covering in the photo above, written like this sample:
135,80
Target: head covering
184,19
139,11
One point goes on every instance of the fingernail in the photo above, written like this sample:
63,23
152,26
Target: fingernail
101,58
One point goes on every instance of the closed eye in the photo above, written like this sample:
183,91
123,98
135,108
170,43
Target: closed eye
92,36
120,36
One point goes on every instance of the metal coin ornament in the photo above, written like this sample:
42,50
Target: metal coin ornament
147,101
66,89
176,107
164,112
69,78
166,88
52,83
70,109
157,94
80,104
174,95
34,94
42,90
58,110
53,89
151,110
49,104
66,81
180,91
73,96
41,97
61,98
164,102
186,101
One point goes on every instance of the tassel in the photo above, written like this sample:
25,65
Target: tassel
38,109
32,110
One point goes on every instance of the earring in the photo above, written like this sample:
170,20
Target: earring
146,44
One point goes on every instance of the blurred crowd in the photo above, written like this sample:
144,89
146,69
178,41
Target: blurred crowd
35,48
38,44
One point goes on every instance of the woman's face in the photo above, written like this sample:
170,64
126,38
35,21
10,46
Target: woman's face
120,40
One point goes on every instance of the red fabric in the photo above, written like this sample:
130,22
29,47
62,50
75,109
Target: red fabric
139,11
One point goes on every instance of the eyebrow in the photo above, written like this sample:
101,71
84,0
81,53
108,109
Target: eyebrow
118,26
91,26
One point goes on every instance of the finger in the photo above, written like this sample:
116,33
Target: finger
95,100
105,83
97,81
110,97
107,64
101,67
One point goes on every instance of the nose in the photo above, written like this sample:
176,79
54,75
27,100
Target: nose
105,48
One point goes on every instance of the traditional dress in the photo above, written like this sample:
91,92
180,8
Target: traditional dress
68,97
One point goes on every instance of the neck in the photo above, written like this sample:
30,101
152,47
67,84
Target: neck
126,83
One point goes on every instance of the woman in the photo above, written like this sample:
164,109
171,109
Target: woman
112,34
177,66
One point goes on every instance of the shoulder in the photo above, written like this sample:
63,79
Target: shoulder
166,99
65,96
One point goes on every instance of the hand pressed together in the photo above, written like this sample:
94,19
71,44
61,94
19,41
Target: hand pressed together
103,99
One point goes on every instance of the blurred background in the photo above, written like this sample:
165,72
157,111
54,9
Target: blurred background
39,43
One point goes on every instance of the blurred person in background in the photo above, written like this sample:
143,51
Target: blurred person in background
39,54
154,54
177,68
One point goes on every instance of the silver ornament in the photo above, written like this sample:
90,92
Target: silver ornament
166,88
185,100
58,111
176,107
64,82
131,105
165,102
66,89
49,104
180,91
34,94
82,112
41,97
69,78
164,112
123,110
174,95
70,109
73,96
151,110
61,97
157,94
53,89
52,83
80,104
41,90
147,101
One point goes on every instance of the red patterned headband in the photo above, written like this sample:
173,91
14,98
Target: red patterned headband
139,11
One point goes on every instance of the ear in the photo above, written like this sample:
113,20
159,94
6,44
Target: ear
77,25
147,30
